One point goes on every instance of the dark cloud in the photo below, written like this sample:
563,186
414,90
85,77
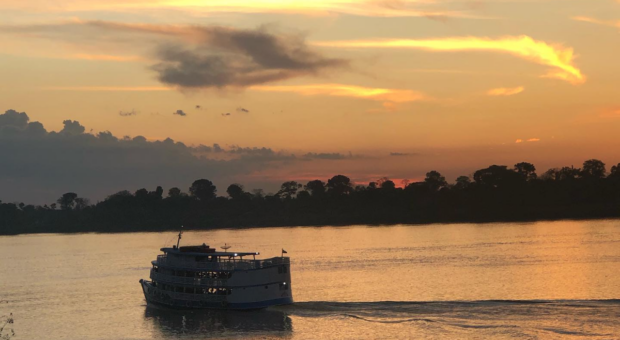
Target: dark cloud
180,113
14,119
239,58
243,110
72,127
226,114
198,107
127,113
332,156
194,57
207,149
265,153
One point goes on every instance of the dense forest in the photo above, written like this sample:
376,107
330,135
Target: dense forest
496,193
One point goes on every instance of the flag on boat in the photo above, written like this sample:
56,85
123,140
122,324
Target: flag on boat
284,251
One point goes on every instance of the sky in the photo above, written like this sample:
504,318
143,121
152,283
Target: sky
106,95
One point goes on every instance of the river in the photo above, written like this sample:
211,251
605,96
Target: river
542,280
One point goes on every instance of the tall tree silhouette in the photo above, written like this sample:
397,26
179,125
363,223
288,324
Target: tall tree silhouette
527,170
235,191
289,189
435,180
593,168
203,189
174,192
497,176
339,185
316,188
462,182
67,201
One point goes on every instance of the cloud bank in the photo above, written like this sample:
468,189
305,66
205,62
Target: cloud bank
39,165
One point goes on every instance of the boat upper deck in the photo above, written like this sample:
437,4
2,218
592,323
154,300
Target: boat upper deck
204,251
215,253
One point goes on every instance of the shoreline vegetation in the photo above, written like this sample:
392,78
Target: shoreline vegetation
493,194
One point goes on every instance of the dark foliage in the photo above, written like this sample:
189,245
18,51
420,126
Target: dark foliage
495,193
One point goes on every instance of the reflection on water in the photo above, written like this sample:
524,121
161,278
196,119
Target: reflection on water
544,280
171,323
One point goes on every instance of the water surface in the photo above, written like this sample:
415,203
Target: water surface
551,280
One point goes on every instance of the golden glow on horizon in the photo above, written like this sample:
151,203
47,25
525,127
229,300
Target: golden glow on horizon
506,91
522,46
610,113
339,90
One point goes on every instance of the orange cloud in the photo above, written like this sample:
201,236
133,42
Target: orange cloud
505,91
609,23
531,140
105,57
390,96
108,88
525,47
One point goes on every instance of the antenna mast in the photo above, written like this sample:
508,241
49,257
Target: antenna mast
179,239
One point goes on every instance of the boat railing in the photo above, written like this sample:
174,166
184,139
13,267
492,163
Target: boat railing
195,281
190,262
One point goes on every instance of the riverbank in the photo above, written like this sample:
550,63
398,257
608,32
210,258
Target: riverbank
228,226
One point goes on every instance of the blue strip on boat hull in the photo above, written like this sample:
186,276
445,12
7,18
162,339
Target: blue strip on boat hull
184,304
235,306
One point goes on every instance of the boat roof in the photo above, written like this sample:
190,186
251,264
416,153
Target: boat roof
205,251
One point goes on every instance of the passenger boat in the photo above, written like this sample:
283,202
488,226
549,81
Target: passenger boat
201,277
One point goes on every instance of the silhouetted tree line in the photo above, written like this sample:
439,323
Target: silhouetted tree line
496,193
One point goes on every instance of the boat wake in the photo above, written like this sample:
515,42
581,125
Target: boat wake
521,318
412,306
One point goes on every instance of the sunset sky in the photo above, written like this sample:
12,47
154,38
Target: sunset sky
299,90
